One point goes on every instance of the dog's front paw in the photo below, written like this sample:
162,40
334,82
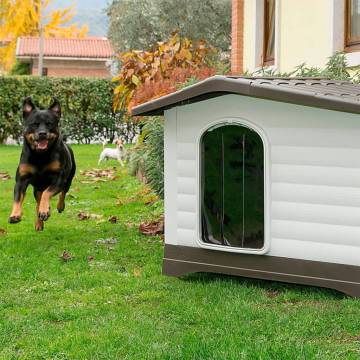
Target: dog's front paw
44,215
14,219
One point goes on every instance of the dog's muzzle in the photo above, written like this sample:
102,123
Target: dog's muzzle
41,142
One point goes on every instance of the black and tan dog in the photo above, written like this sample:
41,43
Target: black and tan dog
46,162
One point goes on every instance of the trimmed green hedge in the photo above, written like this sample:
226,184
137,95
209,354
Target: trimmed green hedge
86,106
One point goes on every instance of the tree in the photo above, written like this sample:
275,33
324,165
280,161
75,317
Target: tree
148,74
139,24
22,18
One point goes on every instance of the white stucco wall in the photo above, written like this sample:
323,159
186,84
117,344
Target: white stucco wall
306,31
313,192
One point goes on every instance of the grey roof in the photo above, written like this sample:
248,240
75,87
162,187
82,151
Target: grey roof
317,92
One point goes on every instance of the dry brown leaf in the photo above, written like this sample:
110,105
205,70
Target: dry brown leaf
113,219
99,175
66,256
2,232
119,202
151,199
90,258
112,240
151,228
4,176
85,216
137,273
273,293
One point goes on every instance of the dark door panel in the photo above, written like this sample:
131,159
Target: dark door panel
232,187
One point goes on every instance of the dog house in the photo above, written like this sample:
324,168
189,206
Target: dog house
262,180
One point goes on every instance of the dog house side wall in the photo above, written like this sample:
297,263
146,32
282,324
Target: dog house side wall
314,175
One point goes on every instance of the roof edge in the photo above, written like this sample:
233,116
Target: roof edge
220,85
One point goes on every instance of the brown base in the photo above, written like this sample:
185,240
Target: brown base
181,260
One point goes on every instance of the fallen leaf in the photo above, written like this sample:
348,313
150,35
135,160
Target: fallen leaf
99,175
90,258
151,199
2,232
4,176
66,256
113,219
136,273
85,216
273,293
151,228
106,241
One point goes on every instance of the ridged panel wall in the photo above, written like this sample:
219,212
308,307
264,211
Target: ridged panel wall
313,179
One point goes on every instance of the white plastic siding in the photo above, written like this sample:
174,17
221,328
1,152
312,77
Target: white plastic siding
314,177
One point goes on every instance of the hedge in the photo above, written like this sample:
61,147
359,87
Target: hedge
86,107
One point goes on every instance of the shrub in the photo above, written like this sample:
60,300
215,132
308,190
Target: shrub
146,159
150,67
335,69
86,107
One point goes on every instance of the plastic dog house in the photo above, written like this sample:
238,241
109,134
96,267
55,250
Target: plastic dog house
262,180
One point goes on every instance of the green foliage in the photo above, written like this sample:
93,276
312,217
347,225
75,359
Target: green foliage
146,159
86,106
139,24
20,68
335,69
154,164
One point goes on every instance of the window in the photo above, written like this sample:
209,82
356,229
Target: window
352,24
232,187
269,32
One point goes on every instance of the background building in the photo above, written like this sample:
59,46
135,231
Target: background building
88,57
286,33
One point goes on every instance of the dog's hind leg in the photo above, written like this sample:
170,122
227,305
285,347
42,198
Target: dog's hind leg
61,202
39,224
121,162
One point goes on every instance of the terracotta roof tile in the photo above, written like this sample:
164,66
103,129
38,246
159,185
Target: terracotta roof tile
90,47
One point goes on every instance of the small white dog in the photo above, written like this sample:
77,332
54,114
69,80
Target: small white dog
117,153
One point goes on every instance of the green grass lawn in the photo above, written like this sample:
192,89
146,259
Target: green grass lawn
111,301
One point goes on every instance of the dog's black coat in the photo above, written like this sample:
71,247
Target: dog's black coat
46,162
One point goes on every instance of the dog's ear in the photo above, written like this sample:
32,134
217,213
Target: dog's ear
55,108
28,107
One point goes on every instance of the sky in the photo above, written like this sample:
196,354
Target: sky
90,12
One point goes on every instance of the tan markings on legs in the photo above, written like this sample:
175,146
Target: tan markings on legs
26,169
44,207
53,166
39,224
17,207
61,202
17,210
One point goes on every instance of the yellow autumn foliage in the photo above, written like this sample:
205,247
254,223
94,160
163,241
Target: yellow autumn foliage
22,18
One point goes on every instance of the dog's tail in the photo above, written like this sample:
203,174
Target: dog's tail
104,144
